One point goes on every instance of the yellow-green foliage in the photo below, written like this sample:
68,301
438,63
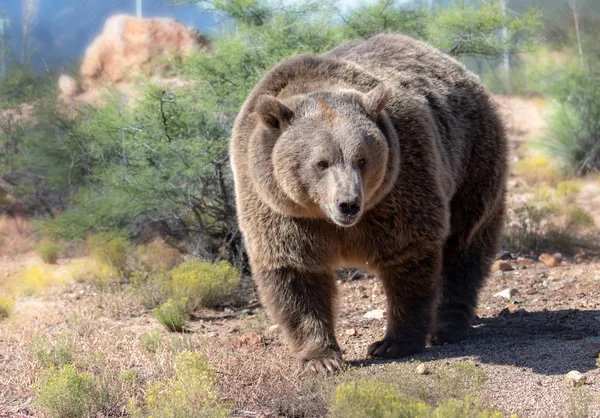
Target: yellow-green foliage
461,379
6,307
205,284
151,287
65,393
538,169
158,255
150,341
549,220
104,276
110,249
191,392
568,190
48,251
129,376
374,399
35,279
172,314
56,352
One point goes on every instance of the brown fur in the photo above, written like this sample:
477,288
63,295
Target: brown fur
408,183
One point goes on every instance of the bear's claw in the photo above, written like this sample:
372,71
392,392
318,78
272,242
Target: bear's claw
324,365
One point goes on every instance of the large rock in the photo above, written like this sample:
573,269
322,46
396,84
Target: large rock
129,45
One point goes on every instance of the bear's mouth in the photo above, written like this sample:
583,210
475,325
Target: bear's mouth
346,221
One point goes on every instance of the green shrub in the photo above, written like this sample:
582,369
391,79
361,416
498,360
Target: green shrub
110,249
150,341
57,352
572,136
375,399
65,393
48,251
205,284
191,392
6,307
172,314
151,288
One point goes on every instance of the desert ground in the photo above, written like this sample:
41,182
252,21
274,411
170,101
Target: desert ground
518,354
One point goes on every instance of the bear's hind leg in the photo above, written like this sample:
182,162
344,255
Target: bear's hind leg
302,303
465,268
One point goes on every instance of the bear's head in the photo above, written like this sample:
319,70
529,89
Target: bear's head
326,154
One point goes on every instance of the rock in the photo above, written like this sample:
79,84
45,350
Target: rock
504,312
522,261
580,257
506,293
374,314
67,87
351,331
551,260
504,255
422,369
501,265
271,332
558,257
575,378
545,283
499,273
250,339
129,45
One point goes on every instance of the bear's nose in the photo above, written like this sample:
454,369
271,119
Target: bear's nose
350,207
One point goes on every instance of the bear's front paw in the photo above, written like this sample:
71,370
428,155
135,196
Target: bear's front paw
323,365
394,348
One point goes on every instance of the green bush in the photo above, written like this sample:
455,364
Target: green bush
205,284
6,307
150,341
65,393
48,251
172,314
374,399
151,288
191,392
53,352
110,249
572,136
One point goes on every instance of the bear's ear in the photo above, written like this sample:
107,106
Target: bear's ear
273,113
375,100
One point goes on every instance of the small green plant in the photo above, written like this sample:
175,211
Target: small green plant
48,251
151,287
63,392
172,314
57,352
191,392
7,306
205,284
461,379
129,376
110,249
150,341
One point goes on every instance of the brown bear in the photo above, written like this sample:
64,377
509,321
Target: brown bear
383,154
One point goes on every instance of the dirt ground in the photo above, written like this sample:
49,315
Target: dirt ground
525,345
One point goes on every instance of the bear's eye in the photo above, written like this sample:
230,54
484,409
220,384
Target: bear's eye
362,163
323,164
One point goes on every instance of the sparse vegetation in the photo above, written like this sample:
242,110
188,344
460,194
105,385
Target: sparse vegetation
205,284
172,314
63,392
109,249
6,307
190,392
35,279
48,251
151,287
151,341
57,351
